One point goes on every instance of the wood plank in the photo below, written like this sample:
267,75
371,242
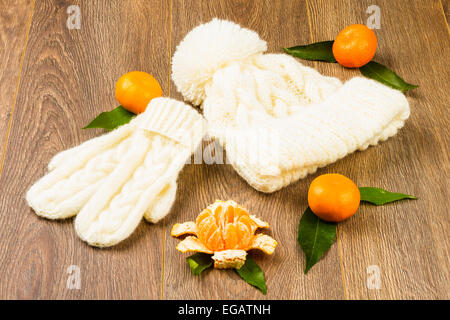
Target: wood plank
14,24
68,78
409,241
281,23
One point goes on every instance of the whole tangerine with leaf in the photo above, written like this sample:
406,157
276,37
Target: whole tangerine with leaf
333,197
135,89
355,46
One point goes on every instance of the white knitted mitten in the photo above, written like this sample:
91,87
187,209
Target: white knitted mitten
114,180
278,119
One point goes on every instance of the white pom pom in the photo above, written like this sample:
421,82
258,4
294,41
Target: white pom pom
206,49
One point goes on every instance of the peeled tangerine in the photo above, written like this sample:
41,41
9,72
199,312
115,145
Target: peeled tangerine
226,230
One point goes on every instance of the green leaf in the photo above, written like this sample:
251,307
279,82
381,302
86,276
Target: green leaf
380,73
315,236
378,196
199,262
112,119
319,51
253,274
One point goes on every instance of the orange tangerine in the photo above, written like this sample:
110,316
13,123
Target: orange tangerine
225,230
355,46
225,227
135,89
333,197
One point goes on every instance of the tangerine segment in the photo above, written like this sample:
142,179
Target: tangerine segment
355,46
229,216
206,228
333,197
215,241
135,89
203,215
244,235
248,222
230,236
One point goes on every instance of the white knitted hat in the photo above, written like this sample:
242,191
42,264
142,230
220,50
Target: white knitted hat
278,119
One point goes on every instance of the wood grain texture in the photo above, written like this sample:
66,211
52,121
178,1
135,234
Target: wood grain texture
445,4
408,240
280,23
14,24
68,77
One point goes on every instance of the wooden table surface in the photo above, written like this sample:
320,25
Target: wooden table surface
53,81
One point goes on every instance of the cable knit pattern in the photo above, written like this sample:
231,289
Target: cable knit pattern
75,174
116,209
278,119
112,181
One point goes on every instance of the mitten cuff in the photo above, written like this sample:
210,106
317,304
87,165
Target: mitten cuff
173,119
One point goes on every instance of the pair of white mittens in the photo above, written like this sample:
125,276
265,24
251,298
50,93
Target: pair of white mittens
112,181
278,119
